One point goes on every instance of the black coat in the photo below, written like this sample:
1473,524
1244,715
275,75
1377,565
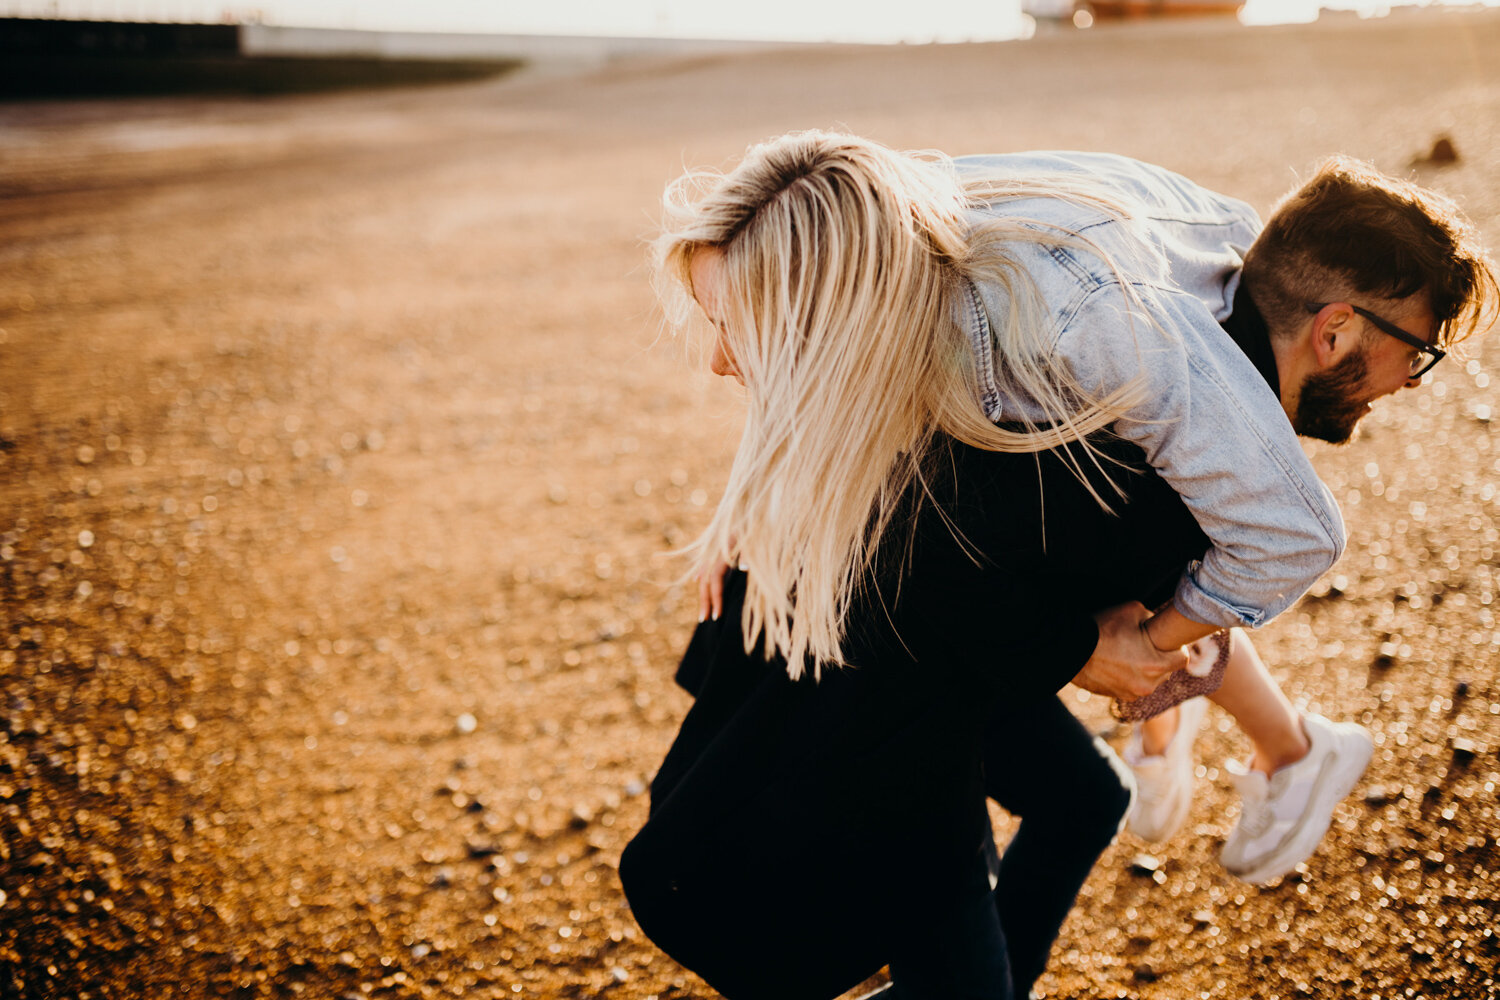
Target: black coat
798,826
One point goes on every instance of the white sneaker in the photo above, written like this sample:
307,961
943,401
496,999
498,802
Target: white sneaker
1283,818
1164,782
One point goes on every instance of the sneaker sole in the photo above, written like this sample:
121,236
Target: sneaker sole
1332,787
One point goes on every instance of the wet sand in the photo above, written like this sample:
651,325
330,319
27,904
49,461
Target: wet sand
341,461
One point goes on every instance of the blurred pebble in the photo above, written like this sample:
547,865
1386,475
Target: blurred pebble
1461,689
1464,750
1144,973
421,949
467,724
634,788
1329,590
581,817
619,975
1145,864
1377,795
1443,152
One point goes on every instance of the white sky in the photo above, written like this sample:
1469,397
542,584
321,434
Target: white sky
844,20
793,20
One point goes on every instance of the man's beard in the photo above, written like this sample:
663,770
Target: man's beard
1332,403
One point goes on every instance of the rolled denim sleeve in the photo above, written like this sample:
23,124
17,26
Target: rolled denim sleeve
1215,431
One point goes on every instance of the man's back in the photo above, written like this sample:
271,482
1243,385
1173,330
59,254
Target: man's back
1134,267
1175,235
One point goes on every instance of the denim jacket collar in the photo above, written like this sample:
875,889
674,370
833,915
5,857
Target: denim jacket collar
1247,328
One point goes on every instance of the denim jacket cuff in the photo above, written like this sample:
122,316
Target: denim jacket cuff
1201,606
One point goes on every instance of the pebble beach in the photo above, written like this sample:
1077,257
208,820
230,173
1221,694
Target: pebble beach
343,454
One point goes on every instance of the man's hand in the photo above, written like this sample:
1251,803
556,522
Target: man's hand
1126,665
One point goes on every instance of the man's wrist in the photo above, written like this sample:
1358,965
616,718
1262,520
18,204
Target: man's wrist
1169,629
1151,639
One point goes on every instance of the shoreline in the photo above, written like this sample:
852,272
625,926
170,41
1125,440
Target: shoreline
228,59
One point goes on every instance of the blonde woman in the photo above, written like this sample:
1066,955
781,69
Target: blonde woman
990,408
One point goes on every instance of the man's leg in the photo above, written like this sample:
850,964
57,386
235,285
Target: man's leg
1262,711
1072,794
1288,793
1301,767
1161,753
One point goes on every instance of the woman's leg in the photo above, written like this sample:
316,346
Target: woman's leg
1072,794
958,955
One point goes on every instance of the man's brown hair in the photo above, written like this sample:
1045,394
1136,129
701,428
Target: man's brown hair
1352,231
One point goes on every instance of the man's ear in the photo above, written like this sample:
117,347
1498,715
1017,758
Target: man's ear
1334,334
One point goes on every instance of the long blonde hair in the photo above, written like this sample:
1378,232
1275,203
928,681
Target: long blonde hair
845,267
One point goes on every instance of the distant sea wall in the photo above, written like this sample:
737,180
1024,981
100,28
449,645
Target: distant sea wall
50,58
19,35
272,40
46,58
25,36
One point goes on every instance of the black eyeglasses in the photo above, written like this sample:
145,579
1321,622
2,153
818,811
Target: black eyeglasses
1421,364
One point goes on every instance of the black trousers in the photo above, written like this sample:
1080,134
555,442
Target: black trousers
804,834
1072,794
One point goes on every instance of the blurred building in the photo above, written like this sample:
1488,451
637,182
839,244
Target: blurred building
1074,10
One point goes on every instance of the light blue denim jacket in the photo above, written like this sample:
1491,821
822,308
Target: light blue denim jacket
1209,424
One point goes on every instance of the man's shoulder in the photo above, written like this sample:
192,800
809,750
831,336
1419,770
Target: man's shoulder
1141,190
1052,162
